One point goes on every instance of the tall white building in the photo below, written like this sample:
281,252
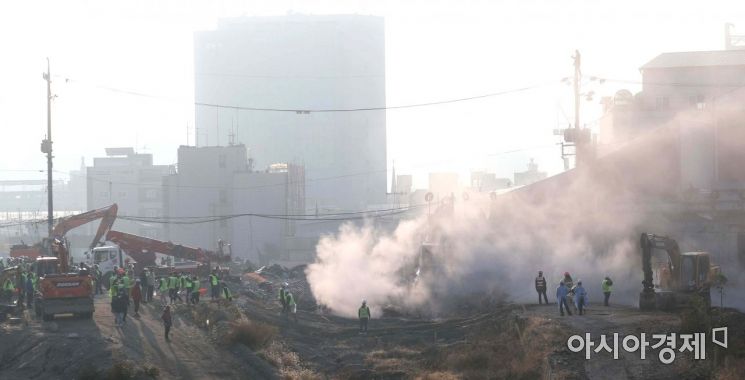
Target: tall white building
299,62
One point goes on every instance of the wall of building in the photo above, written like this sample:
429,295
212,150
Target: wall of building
304,62
216,181
132,182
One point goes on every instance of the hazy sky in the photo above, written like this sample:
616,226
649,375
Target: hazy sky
435,50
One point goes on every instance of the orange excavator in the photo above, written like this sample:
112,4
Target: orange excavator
106,214
58,290
142,251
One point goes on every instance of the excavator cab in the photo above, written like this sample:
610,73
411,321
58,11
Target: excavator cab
684,276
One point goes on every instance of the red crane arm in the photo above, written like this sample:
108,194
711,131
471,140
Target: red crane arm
134,243
106,214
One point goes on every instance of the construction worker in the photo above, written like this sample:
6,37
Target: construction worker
291,306
182,284
226,291
187,286
8,288
143,284
97,276
163,289
283,298
540,287
580,296
177,292
172,287
364,314
126,282
118,307
112,279
22,287
167,321
607,286
29,290
214,286
195,290
136,295
561,298
150,285
569,283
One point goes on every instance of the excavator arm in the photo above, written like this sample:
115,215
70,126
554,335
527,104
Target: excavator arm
106,214
135,245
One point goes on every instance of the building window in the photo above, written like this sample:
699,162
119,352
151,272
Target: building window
151,213
698,101
122,194
151,193
104,194
221,161
223,196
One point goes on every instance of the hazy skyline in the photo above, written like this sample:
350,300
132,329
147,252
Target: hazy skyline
434,51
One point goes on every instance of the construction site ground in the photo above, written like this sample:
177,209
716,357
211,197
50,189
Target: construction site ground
500,341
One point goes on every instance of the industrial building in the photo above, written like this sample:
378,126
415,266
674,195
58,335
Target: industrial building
259,81
247,208
131,180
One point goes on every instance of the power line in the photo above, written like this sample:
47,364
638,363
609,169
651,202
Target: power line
379,108
306,110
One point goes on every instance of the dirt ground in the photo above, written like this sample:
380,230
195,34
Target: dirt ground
498,342
68,348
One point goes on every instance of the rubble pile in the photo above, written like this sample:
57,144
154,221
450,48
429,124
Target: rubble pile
264,283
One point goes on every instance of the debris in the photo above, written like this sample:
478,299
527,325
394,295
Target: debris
265,282
73,335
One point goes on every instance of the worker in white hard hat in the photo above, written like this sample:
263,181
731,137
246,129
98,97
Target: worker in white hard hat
364,314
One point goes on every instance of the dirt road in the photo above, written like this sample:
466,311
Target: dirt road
623,320
63,348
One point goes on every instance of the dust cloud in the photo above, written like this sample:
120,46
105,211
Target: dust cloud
585,221
482,247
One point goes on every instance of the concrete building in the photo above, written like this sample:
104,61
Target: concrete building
299,62
697,93
132,181
689,117
220,182
482,181
529,176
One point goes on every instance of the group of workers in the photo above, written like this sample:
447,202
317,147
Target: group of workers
289,307
567,292
122,291
23,283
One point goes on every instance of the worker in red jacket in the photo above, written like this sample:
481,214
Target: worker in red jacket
136,295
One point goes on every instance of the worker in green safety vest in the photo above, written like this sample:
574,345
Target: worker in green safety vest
8,288
214,286
173,287
163,289
364,314
186,281
226,292
291,306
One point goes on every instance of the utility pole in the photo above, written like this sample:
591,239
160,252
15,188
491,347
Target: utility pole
579,154
46,147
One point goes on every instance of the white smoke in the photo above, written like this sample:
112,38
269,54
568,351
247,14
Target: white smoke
586,221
